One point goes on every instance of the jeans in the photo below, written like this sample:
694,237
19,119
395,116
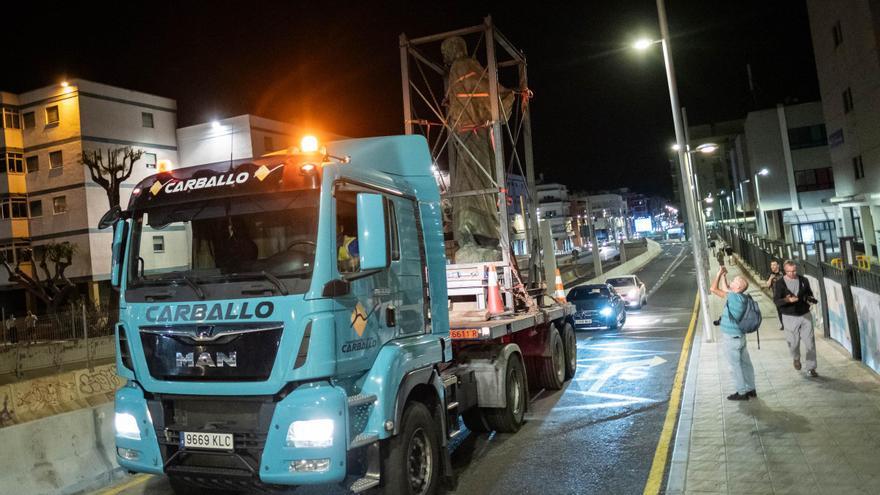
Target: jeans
734,348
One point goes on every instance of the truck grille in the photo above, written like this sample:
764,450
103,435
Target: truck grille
221,352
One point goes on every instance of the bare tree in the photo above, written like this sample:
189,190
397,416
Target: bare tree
109,170
53,287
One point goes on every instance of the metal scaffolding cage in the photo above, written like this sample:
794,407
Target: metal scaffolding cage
426,95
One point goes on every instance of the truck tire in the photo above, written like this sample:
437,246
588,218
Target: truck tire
509,419
181,487
411,459
550,370
571,358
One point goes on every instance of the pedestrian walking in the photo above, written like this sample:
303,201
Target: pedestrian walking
728,250
30,322
733,340
793,297
11,330
775,275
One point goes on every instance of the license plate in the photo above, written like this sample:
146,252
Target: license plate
211,441
582,322
470,333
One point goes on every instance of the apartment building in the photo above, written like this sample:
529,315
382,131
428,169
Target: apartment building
47,195
554,207
846,44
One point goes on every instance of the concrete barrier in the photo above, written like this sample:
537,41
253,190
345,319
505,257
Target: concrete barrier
31,360
630,266
62,454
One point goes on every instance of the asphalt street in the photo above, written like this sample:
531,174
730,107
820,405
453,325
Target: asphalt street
598,434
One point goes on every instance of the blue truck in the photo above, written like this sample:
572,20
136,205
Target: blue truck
285,321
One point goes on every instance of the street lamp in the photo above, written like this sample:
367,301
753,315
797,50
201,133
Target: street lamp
698,241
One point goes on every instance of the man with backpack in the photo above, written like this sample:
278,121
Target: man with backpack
740,316
793,297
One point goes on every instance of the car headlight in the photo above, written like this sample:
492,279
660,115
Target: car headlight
311,433
606,311
127,426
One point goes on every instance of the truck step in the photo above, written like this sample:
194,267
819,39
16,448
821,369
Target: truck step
449,380
451,406
361,399
454,434
363,439
363,484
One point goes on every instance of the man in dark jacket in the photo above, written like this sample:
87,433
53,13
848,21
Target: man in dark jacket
793,296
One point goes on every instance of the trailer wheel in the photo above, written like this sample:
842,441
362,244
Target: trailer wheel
550,370
411,459
509,419
571,358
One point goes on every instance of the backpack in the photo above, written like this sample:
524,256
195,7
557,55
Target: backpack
751,318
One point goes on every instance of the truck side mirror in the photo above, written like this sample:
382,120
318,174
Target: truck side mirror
110,218
372,248
120,232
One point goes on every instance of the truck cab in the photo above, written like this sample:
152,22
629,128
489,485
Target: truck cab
284,322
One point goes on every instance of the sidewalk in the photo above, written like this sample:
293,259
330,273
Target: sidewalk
801,435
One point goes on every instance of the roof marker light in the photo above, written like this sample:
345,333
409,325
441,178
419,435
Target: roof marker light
308,144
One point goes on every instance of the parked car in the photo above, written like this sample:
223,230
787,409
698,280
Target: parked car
598,306
631,289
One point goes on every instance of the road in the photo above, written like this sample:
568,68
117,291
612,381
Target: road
599,434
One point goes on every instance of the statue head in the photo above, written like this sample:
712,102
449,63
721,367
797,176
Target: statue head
453,49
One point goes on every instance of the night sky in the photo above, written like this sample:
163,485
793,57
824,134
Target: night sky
601,114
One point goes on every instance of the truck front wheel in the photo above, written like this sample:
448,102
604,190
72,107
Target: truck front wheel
411,459
509,418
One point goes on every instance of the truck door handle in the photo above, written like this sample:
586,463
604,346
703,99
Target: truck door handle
390,317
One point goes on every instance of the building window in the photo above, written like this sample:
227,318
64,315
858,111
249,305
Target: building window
158,243
33,163
11,163
52,115
809,136
56,160
11,119
847,101
36,208
147,119
837,34
29,120
59,205
14,208
816,179
149,160
858,167
268,145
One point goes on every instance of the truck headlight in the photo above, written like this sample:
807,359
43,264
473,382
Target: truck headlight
127,426
310,433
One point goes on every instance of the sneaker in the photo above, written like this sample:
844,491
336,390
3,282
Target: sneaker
738,396
752,393
814,373
797,364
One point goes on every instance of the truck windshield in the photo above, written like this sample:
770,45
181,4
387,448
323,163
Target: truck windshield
269,237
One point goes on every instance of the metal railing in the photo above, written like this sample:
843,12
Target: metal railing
866,280
74,322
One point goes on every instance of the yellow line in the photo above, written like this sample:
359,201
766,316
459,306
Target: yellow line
658,466
136,480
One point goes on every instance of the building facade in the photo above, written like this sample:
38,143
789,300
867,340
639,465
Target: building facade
47,195
554,206
847,50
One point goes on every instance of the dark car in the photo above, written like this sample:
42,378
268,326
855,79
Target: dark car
598,306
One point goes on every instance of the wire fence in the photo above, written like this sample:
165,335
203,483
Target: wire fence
74,322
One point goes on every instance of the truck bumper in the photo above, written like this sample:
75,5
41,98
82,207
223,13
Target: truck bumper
138,452
315,401
281,463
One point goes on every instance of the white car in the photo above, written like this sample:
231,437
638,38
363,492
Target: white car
630,289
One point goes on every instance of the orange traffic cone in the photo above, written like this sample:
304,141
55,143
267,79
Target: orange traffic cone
493,297
560,289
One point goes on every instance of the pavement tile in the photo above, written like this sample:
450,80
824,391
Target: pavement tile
712,475
754,487
798,489
706,486
748,476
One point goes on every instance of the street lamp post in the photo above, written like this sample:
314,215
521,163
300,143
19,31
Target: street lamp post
698,241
